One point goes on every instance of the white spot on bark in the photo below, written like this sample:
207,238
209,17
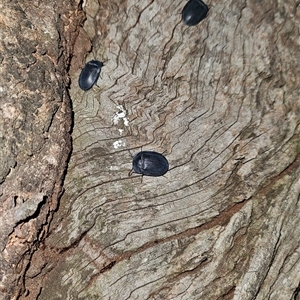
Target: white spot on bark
118,144
120,115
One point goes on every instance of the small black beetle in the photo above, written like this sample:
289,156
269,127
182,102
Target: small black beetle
90,74
194,12
149,163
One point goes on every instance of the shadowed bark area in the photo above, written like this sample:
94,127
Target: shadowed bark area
221,101
35,124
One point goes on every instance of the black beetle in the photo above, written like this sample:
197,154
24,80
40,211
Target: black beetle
90,74
194,12
149,163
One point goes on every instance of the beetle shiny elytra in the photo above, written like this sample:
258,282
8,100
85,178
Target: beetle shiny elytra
149,163
194,12
90,74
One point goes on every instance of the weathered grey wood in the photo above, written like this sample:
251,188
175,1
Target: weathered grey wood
221,101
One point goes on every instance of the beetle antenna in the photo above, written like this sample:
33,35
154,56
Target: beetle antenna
165,152
130,153
130,172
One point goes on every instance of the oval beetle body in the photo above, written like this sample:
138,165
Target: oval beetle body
90,74
149,163
194,12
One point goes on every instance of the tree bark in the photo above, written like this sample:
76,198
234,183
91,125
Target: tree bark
35,124
219,100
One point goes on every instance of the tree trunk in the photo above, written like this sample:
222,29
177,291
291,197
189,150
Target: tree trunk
35,123
219,100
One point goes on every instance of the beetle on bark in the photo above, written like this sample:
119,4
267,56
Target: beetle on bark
194,12
90,74
149,163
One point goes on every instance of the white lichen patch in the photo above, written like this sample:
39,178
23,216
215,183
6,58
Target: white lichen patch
120,115
113,168
118,144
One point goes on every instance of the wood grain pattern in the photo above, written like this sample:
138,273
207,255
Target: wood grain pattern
220,100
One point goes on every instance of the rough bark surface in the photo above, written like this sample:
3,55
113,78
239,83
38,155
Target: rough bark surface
35,124
221,101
